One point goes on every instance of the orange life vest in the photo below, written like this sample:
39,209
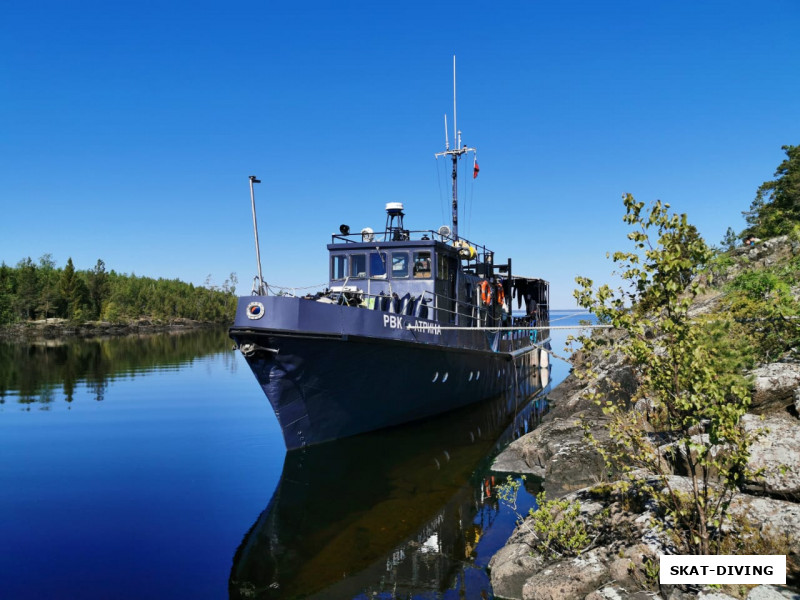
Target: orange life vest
501,294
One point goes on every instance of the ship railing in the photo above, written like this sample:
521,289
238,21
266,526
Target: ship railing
528,330
427,304
516,331
445,310
403,235
449,311
395,235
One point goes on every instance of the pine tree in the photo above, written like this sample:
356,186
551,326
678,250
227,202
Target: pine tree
6,294
48,286
68,290
776,208
98,288
27,289
730,239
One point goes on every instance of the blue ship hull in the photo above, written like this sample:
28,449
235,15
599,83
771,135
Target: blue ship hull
333,371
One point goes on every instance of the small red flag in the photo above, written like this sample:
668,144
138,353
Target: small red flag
475,170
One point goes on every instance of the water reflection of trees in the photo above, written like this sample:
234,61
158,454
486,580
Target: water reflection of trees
34,372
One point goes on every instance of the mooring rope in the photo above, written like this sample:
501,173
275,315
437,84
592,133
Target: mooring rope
550,351
494,329
519,328
569,316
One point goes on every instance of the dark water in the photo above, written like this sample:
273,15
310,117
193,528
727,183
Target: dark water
152,467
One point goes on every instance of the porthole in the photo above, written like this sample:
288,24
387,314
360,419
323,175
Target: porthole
470,376
477,375
435,377
444,378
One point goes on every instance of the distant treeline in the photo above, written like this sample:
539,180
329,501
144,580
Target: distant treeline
32,291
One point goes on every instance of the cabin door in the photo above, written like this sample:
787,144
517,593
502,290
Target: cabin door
446,288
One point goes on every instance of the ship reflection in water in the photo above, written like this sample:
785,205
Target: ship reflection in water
397,513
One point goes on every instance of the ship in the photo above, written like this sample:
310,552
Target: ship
412,323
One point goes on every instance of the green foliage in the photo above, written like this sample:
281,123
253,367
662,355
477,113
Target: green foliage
48,285
720,263
652,570
690,383
776,207
30,291
507,492
25,289
758,285
765,316
73,293
647,575
6,294
558,527
97,287
730,241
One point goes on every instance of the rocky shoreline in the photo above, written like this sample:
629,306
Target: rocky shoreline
558,453
621,564
61,329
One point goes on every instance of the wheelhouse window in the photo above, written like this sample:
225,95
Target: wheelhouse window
422,265
399,265
377,264
358,265
443,272
338,266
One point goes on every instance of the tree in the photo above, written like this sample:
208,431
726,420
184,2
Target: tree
27,289
776,207
6,294
97,282
730,240
693,407
48,286
72,290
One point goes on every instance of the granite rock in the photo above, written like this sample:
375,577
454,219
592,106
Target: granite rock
777,453
775,387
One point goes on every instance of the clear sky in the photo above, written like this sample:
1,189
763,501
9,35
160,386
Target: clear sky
128,129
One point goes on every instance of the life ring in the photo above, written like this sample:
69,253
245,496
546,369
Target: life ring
486,292
501,294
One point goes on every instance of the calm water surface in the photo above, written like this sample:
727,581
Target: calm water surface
152,468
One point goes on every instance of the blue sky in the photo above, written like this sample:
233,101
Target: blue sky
129,129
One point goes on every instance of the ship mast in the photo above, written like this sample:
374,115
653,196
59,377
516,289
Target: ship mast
259,287
456,153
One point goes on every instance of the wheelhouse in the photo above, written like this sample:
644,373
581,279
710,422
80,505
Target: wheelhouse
426,274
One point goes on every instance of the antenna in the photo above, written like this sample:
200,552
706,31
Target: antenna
455,127
455,154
